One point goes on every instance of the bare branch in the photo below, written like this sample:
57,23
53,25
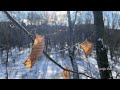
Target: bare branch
75,19
31,36
8,15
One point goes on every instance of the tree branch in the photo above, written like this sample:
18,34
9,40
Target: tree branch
31,36
75,19
12,19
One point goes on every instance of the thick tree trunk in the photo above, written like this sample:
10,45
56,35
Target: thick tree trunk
71,50
101,50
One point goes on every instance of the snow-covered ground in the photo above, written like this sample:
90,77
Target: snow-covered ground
44,68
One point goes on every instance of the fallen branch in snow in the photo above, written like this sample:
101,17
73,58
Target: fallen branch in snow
31,36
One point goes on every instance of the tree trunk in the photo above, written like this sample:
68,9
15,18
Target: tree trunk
7,51
101,50
111,52
71,50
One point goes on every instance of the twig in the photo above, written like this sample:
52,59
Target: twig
12,19
31,36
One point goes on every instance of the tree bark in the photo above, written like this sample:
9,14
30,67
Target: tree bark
101,50
7,51
31,36
71,50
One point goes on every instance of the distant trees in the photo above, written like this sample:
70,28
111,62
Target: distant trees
75,30
112,38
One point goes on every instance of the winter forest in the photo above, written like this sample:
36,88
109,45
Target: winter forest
59,44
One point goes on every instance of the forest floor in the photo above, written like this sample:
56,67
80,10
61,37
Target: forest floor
45,69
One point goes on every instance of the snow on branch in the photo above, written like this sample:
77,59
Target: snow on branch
104,46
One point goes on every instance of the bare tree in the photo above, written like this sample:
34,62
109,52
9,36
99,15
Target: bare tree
101,50
31,36
71,50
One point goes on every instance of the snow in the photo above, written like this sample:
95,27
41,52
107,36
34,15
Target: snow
45,69
104,46
100,39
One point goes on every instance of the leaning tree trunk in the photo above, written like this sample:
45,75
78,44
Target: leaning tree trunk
101,50
71,50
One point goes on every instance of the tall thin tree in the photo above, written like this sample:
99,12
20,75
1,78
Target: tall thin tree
71,50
